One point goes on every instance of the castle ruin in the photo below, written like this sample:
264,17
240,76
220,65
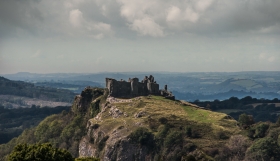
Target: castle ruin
134,88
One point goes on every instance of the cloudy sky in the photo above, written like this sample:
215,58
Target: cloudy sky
88,36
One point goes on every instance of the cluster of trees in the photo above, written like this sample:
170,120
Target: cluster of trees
258,142
264,110
42,152
14,121
20,88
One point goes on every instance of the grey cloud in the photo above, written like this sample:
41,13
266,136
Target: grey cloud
145,18
242,16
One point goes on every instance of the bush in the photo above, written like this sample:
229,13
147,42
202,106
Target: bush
261,130
140,104
245,120
163,120
143,137
39,152
264,149
188,131
192,132
221,135
190,158
173,137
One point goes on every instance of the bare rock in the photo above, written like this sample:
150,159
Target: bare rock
115,112
140,114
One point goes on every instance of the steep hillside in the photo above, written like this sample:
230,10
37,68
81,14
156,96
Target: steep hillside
142,128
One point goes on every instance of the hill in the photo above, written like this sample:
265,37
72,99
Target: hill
96,125
150,128
28,90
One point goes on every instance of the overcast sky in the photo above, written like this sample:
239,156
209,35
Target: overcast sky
88,36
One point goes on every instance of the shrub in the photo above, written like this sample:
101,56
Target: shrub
39,152
163,120
139,104
261,130
190,158
221,135
143,137
245,120
211,151
188,131
173,137
153,124
163,130
263,149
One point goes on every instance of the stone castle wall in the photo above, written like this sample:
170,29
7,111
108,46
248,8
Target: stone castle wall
132,87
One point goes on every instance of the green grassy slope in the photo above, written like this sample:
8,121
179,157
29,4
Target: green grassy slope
203,128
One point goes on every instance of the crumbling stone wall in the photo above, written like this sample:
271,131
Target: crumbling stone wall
133,87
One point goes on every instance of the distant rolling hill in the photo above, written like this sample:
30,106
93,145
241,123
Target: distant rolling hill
29,90
247,85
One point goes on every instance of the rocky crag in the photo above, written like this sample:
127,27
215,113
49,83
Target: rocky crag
148,128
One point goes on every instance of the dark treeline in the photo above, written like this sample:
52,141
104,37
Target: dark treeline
260,109
224,95
14,121
20,88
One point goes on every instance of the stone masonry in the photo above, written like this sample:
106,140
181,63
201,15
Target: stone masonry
134,88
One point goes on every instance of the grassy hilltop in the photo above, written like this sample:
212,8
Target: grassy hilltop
147,128
205,128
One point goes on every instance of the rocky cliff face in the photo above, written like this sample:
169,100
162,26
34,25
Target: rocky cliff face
112,146
111,143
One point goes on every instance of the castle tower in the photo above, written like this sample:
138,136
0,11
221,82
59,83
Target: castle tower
134,86
111,84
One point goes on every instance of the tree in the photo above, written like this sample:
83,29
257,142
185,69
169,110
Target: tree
39,152
245,120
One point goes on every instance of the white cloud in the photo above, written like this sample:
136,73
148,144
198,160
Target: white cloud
142,16
94,29
202,5
147,26
190,15
76,18
173,14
